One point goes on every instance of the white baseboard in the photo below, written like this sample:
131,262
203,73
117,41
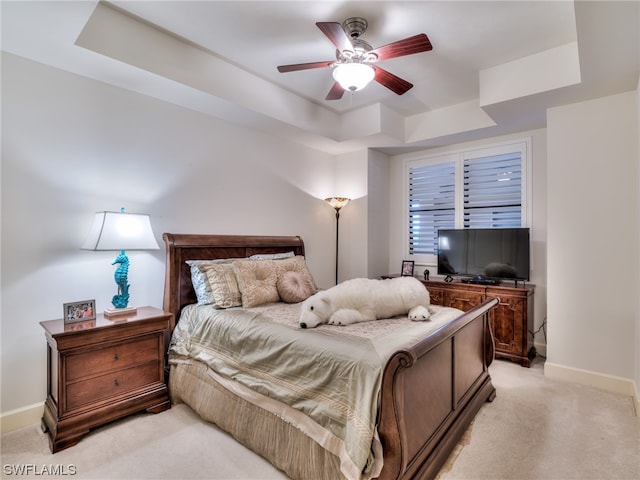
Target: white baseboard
21,417
541,349
610,383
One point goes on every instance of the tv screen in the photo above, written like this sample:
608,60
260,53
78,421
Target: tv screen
491,253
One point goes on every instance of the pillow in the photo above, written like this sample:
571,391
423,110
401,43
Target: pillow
223,285
257,281
200,281
294,287
296,264
271,256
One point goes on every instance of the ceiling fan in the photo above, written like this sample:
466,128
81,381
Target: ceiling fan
354,65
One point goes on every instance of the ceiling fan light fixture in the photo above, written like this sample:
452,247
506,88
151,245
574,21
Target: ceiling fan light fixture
353,76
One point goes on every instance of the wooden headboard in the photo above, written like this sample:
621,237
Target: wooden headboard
178,290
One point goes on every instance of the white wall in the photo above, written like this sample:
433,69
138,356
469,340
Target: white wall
378,215
73,146
351,182
637,375
593,237
363,175
398,249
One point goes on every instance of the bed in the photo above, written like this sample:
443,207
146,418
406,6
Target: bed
424,398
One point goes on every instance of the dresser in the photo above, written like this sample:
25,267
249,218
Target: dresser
511,321
102,370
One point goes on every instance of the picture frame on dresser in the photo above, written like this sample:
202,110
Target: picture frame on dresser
407,268
81,311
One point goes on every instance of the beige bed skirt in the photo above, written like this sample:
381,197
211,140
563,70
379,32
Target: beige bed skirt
280,442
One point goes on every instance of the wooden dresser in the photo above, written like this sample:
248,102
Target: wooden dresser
511,320
102,370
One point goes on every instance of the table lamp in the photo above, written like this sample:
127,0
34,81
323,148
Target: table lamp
120,231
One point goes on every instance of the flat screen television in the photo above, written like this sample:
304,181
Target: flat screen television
484,255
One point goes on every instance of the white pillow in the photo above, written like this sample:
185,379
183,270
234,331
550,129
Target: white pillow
271,256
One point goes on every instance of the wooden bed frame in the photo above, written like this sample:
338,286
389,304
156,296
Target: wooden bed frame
430,392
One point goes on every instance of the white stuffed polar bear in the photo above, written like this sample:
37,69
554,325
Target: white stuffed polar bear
363,299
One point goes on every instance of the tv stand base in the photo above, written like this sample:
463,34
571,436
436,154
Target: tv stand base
511,320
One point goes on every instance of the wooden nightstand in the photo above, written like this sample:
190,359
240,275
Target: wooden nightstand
102,370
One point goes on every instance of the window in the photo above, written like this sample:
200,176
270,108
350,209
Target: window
480,188
432,203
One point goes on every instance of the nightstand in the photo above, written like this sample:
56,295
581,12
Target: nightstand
102,370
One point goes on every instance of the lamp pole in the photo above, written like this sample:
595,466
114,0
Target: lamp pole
337,227
337,203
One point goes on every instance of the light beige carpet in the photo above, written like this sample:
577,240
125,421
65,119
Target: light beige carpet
539,428
536,428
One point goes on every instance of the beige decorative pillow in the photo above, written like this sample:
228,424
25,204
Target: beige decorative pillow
199,278
294,287
257,281
296,264
223,285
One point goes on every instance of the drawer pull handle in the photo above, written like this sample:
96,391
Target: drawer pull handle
116,383
116,357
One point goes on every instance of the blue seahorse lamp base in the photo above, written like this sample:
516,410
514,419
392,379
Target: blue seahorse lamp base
120,301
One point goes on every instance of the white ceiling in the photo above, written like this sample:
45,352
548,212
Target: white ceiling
220,58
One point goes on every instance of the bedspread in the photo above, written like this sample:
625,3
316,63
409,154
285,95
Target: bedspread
331,374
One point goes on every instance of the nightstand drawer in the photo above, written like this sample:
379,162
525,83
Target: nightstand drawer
111,358
112,384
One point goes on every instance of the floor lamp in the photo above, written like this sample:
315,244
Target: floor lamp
337,203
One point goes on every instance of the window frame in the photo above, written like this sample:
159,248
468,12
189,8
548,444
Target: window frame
458,156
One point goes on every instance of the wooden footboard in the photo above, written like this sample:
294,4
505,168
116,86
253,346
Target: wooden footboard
431,393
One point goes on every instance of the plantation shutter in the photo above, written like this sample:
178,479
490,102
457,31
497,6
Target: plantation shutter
493,191
431,205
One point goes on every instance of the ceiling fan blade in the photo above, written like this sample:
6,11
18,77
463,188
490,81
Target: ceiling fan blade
335,93
391,81
408,46
304,66
335,33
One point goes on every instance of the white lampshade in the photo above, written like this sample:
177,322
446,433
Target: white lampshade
353,76
120,231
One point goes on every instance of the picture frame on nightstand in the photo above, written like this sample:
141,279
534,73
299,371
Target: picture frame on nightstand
82,311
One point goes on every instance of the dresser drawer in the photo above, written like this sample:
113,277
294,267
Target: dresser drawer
112,384
462,300
436,296
112,358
